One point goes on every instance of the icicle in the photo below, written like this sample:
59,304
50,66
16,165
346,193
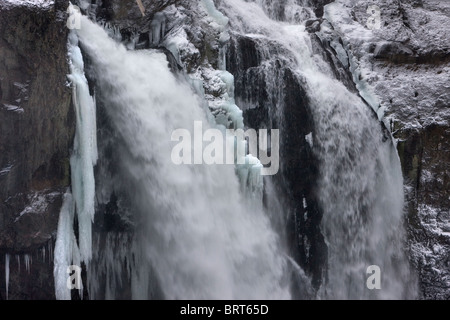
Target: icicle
50,251
27,262
18,261
64,248
7,274
197,245
250,172
158,28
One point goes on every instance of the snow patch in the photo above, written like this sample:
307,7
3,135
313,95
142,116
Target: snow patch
13,108
6,170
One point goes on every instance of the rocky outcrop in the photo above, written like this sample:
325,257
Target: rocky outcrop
36,135
405,63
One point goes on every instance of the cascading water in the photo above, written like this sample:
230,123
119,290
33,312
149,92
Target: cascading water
187,231
195,236
360,189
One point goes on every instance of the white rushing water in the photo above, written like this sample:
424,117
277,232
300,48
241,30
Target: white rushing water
361,187
194,230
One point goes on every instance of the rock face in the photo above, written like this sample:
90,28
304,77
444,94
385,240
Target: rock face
405,63
36,134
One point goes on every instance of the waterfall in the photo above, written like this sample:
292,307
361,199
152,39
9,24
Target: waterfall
200,231
195,236
79,203
360,187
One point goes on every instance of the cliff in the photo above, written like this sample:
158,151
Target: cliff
404,64
36,134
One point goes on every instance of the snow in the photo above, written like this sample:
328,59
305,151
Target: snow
309,139
28,261
158,28
82,161
389,86
339,16
34,3
13,108
38,204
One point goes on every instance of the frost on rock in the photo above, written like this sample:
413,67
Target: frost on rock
405,65
13,108
405,62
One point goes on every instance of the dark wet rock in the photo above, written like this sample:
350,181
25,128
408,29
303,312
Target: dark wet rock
313,25
36,135
36,119
394,52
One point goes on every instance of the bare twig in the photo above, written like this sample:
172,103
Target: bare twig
141,7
